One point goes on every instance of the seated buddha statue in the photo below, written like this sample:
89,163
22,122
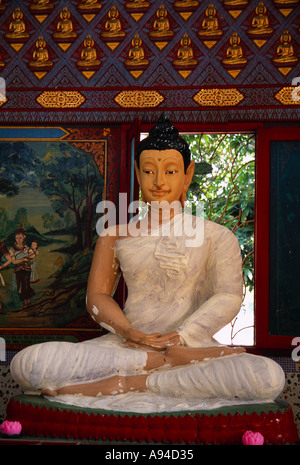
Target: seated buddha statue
286,2
186,4
2,7
40,58
137,4
161,26
210,24
234,53
285,51
65,26
40,5
89,5
17,27
185,54
260,22
184,279
136,55
113,26
235,3
88,54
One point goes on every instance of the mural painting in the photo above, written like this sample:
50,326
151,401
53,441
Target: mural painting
49,190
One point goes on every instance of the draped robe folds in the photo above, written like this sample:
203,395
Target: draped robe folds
173,283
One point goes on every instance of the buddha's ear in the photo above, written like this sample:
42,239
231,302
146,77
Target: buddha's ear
188,179
137,171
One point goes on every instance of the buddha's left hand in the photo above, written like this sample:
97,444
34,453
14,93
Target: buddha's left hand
157,342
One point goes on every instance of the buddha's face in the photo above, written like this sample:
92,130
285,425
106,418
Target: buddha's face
161,175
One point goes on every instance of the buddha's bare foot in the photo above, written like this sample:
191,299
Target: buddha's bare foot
106,387
111,386
178,355
49,393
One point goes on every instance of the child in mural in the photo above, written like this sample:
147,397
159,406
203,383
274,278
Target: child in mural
3,253
32,254
20,257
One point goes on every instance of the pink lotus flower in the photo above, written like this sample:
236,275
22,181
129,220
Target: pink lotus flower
10,427
250,438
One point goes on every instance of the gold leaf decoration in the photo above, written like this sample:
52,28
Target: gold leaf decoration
61,99
289,96
218,97
139,98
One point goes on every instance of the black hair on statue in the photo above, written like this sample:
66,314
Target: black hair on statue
164,136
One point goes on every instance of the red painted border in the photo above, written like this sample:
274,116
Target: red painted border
192,428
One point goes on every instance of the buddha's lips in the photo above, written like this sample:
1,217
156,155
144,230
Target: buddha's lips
159,193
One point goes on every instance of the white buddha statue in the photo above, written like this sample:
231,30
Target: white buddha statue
184,285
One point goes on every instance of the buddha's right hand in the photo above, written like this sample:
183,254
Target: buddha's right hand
137,337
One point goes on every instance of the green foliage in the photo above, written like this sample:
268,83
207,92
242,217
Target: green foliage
224,182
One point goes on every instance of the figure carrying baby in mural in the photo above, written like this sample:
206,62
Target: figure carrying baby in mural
22,257
181,292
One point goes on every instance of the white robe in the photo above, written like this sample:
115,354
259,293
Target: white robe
173,284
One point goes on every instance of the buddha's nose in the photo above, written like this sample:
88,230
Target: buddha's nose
159,179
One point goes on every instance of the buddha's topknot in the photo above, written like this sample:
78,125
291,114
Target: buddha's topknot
164,136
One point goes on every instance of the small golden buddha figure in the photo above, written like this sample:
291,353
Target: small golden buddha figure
161,26
185,54
2,7
89,5
210,24
38,5
136,55
89,54
137,4
17,28
234,52
285,51
236,3
113,26
286,2
40,57
65,26
186,4
260,22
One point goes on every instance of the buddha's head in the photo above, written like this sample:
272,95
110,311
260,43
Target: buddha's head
163,164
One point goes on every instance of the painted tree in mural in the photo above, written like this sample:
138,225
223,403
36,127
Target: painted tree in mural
18,163
70,180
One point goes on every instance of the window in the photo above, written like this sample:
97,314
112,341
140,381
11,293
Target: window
224,182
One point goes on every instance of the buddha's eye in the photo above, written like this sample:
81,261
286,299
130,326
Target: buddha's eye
171,172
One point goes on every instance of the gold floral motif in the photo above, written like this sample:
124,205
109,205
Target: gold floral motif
60,99
218,97
288,96
139,98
